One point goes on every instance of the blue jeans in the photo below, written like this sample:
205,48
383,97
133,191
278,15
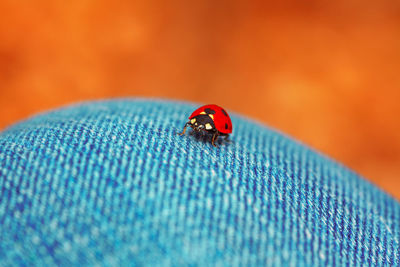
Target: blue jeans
112,183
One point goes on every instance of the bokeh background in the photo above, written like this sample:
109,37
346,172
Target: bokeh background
325,72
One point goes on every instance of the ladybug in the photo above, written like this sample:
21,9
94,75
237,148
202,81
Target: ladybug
212,119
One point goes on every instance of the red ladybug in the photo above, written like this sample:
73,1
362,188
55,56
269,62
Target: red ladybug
212,119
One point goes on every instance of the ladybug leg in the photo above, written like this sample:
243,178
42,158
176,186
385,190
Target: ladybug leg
184,129
214,138
227,139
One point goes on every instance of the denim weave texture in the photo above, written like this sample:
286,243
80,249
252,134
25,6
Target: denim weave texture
111,183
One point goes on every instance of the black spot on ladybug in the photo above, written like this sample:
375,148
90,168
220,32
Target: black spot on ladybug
226,126
209,111
223,111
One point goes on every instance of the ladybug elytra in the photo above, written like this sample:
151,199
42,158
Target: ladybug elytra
212,119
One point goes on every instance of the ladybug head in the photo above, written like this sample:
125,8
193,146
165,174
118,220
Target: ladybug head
202,122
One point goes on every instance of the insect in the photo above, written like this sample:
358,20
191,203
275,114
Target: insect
212,119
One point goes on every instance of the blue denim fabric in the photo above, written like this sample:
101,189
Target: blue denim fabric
112,183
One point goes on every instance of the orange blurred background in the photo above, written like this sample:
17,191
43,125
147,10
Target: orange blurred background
325,72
